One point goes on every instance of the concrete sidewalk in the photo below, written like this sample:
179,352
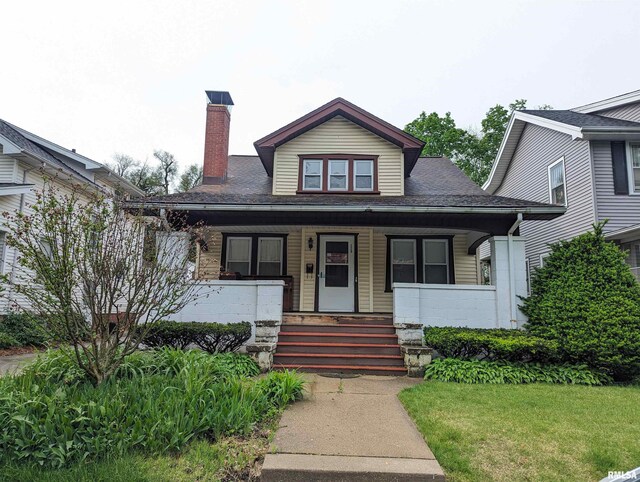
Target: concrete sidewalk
350,429
11,364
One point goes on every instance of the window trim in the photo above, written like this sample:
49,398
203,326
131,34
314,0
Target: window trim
325,158
260,238
419,257
3,250
630,168
564,182
542,257
253,263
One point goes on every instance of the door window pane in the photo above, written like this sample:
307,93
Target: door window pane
403,260
363,175
312,174
338,175
270,256
436,261
336,264
239,255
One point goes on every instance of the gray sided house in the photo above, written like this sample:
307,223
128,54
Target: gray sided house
586,159
338,241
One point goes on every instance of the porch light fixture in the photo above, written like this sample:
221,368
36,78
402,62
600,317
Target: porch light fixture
310,243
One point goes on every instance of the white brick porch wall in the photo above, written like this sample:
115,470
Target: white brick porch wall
231,301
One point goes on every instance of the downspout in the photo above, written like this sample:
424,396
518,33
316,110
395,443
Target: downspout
512,281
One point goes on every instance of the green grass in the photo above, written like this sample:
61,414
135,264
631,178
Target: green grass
230,458
534,432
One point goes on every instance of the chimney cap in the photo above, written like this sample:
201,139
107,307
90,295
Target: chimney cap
219,97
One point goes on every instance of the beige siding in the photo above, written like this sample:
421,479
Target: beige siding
464,264
209,260
382,301
293,264
8,170
339,136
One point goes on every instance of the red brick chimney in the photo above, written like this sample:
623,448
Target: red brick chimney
216,138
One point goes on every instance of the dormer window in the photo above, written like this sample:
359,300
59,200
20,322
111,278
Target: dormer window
338,173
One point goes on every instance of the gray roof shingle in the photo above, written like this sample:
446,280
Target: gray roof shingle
434,182
581,120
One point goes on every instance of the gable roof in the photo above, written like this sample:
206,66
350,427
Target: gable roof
411,146
610,103
16,140
436,185
576,124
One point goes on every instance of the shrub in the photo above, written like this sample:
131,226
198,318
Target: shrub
156,402
210,337
476,371
7,341
490,344
25,329
586,299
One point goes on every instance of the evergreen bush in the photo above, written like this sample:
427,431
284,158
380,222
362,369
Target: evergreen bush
586,299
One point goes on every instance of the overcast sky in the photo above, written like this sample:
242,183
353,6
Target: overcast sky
129,76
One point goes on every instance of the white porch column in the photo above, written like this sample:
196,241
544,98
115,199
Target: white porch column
504,254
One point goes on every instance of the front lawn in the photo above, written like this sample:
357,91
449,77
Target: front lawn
535,432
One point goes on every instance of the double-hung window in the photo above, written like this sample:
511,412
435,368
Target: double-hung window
335,173
312,175
255,254
634,166
269,256
420,259
338,174
363,175
403,261
239,255
436,261
557,186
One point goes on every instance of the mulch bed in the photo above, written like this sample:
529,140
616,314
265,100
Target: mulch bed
18,350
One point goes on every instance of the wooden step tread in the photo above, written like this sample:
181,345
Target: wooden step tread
341,345
334,334
343,367
341,325
337,355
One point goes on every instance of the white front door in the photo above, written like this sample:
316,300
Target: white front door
336,274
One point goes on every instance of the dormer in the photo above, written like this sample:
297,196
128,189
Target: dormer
339,148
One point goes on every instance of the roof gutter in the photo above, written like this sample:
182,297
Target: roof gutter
375,209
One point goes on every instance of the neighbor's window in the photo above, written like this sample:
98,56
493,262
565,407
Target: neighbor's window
338,173
239,255
436,261
312,177
634,166
3,250
363,175
269,256
527,267
403,261
557,188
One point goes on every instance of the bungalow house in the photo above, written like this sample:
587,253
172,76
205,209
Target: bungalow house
25,160
586,159
338,229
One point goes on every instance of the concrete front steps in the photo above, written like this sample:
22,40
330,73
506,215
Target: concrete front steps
343,344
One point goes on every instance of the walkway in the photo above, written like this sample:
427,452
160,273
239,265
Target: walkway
350,429
12,363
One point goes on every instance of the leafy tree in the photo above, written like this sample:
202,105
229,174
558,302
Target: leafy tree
147,178
190,178
587,300
168,169
84,271
473,152
122,164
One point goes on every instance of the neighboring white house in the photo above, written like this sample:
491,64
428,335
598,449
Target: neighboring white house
25,159
586,159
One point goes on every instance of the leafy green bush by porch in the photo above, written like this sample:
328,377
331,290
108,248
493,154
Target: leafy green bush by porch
490,344
210,337
156,402
24,329
476,371
586,299
7,341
